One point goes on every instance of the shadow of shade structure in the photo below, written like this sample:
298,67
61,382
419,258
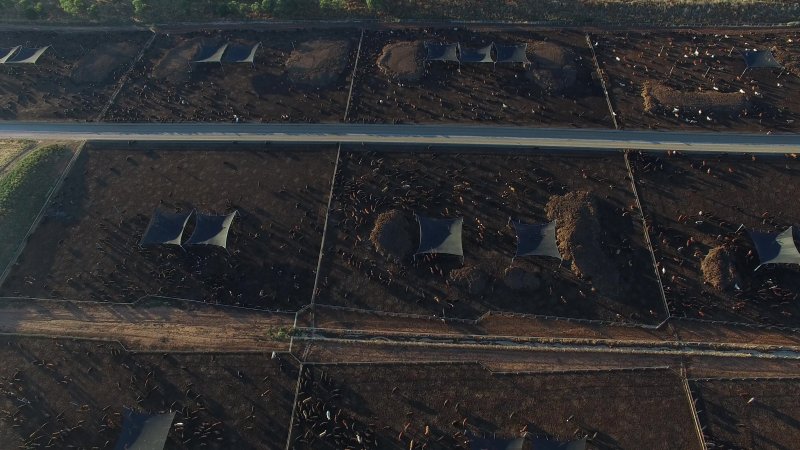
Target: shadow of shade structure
537,240
441,52
498,444
6,53
142,431
546,444
27,55
210,54
440,236
775,248
165,228
512,53
241,53
212,230
477,55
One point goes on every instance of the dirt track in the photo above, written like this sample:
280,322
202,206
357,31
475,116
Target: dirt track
188,327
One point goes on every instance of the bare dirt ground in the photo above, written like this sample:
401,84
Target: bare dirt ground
73,80
695,204
165,87
151,324
505,93
71,394
445,404
750,414
87,248
487,191
697,65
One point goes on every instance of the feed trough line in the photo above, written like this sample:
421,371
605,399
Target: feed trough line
647,236
124,79
55,188
602,82
322,243
353,77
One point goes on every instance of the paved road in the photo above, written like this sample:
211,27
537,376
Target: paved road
463,135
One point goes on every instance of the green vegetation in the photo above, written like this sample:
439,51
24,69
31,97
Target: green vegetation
23,190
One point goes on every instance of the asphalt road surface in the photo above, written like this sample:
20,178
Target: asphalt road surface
463,135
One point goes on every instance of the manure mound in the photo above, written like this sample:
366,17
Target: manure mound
553,67
519,279
173,65
719,269
402,60
654,94
98,65
579,235
472,278
318,62
390,236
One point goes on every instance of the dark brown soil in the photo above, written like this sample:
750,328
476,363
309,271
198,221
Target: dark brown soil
503,93
389,405
318,62
223,401
699,80
102,62
696,204
87,246
262,92
73,80
750,414
403,60
486,190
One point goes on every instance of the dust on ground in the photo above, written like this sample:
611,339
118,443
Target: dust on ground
99,64
318,62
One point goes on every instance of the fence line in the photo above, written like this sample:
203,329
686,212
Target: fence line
602,82
695,415
124,79
353,77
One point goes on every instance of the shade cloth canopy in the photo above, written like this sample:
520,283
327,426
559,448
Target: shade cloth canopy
537,239
513,53
211,230
441,52
497,444
210,54
775,248
165,228
241,53
544,444
5,53
144,431
477,55
26,55
440,235
760,59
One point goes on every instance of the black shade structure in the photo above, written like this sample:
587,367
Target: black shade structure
6,53
441,52
26,55
212,230
144,431
498,444
760,59
537,240
512,53
241,53
165,228
775,248
440,236
477,55
210,54
544,444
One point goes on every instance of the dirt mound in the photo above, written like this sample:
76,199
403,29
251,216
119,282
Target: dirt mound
789,61
98,65
174,66
318,62
519,279
553,67
579,235
474,279
719,269
391,236
402,60
654,94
